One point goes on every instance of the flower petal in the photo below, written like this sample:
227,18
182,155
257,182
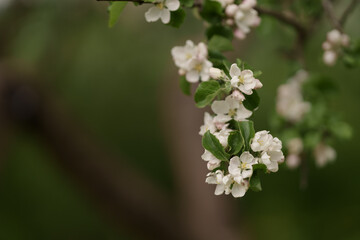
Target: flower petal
172,5
192,76
153,14
234,70
220,107
238,190
165,16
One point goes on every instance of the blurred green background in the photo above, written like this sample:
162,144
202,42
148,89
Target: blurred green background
111,80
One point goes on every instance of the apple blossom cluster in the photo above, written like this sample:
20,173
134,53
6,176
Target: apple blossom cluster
289,102
241,18
232,153
335,42
192,61
161,10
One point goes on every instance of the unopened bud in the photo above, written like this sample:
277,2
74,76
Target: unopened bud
231,10
330,58
182,72
215,73
258,84
237,95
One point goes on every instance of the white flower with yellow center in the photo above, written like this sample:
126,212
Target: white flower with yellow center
241,167
230,108
161,10
242,80
262,141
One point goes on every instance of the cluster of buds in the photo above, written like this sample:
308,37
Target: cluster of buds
335,41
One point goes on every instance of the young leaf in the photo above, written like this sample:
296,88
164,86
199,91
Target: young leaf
212,144
235,142
220,44
185,86
206,92
252,101
177,18
115,10
187,3
247,131
212,12
257,73
255,183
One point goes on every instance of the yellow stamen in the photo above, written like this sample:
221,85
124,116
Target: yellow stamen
198,67
160,5
232,112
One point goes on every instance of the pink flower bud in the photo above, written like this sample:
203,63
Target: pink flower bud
182,72
293,161
215,73
239,34
238,95
258,84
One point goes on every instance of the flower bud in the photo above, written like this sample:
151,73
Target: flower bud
215,73
330,58
258,84
334,37
230,10
248,4
239,34
293,161
237,95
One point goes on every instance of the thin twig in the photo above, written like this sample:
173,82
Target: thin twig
348,11
329,10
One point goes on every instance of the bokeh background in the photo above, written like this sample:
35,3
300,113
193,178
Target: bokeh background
119,86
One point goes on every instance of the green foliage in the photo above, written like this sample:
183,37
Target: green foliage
212,12
219,30
206,92
246,129
235,142
185,86
248,132
115,10
220,44
187,3
177,18
212,144
351,56
255,183
252,101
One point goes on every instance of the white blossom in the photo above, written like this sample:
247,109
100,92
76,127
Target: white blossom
230,108
212,161
295,145
223,136
192,61
209,124
270,148
161,10
262,141
245,17
241,167
324,154
216,73
293,161
242,80
335,41
290,103
239,188
222,182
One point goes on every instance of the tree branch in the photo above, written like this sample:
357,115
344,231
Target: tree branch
329,10
348,11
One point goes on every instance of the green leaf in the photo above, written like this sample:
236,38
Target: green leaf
255,183
235,142
212,144
187,3
177,18
259,167
206,92
219,30
252,101
185,86
212,12
115,10
257,73
220,44
341,130
247,131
